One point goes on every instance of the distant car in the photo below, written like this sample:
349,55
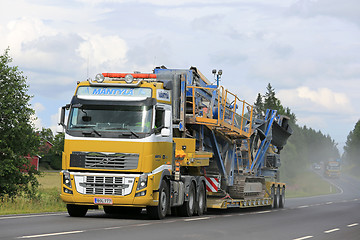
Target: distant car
316,166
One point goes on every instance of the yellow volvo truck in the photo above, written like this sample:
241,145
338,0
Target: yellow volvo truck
170,142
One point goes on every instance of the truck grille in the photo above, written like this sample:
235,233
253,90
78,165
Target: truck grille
123,161
104,185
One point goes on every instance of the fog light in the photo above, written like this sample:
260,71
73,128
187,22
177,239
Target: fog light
140,194
68,191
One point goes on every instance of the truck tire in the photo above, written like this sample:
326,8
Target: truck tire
274,196
76,210
159,212
188,208
201,203
282,198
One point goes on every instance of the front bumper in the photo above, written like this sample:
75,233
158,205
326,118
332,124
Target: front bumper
120,188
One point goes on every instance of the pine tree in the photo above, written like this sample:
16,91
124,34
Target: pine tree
259,106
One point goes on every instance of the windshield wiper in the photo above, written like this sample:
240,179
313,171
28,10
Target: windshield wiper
131,132
90,132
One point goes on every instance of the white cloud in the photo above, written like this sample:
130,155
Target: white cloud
316,100
38,107
103,52
20,31
54,122
36,121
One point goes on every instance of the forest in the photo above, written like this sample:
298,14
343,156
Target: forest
304,147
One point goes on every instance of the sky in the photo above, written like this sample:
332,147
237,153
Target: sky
308,50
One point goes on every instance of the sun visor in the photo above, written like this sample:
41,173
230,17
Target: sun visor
80,102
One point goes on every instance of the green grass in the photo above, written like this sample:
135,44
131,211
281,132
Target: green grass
50,180
308,184
48,199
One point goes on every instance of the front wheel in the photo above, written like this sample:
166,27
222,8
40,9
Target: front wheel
76,210
159,211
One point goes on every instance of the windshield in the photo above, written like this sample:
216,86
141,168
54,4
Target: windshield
133,119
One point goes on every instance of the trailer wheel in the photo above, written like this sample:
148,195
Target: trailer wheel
76,210
201,204
275,196
187,209
159,211
282,198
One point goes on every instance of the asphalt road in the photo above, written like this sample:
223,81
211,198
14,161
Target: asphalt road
335,216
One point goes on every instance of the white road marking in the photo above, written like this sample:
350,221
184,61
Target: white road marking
50,234
142,224
196,219
261,212
305,206
29,216
170,221
110,228
352,225
332,230
303,238
328,203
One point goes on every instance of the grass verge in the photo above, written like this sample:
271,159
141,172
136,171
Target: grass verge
307,184
48,199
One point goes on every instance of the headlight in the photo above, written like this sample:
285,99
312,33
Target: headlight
142,182
66,178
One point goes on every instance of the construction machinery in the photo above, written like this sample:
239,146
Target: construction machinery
168,141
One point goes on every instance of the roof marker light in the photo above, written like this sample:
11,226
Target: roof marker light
129,78
99,78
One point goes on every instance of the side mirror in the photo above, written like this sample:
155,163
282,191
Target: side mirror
61,120
60,129
165,132
167,120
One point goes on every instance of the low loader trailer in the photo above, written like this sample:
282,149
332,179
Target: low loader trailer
168,141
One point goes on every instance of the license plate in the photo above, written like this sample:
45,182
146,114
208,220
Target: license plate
103,201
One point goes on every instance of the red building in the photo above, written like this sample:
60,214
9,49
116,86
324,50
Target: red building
33,161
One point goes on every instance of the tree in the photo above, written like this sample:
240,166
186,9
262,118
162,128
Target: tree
270,101
51,156
45,135
352,145
305,146
56,151
17,133
259,106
